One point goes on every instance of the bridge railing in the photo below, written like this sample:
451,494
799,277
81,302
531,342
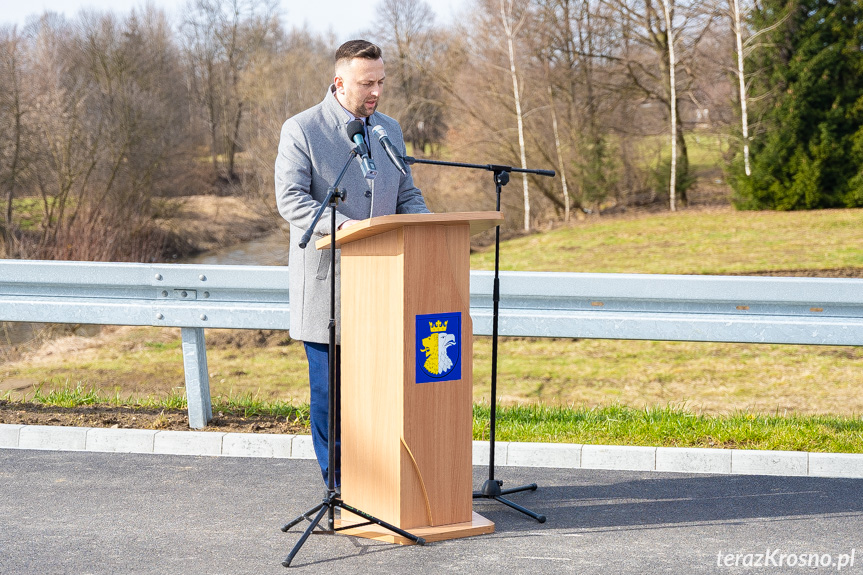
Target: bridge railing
783,310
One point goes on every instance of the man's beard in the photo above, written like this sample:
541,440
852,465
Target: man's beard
361,111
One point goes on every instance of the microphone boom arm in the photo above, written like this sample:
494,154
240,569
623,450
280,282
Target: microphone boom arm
410,160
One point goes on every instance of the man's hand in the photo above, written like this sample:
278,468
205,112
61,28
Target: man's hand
348,223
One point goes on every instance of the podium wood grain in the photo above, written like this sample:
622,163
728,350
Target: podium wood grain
406,447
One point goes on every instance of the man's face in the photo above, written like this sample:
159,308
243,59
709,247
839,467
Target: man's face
359,85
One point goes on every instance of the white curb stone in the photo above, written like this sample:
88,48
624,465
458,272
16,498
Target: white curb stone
188,443
693,460
53,437
752,462
620,457
9,434
302,447
481,451
836,465
562,455
257,445
121,440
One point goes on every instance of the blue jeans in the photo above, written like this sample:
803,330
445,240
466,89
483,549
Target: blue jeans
319,407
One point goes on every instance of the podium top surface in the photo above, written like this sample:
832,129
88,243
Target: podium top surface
478,221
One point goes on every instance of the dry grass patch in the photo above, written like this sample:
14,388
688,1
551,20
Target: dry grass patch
706,377
148,361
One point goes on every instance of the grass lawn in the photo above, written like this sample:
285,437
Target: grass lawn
672,426
716,242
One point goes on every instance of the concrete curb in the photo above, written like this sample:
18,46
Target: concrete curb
557,455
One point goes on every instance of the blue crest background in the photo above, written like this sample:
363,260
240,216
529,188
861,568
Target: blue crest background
454,352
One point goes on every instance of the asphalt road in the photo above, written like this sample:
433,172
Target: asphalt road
80,512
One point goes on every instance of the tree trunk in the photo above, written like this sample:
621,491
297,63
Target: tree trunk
560,162
212,119
6,233
518,114
672,186
232,144
744,121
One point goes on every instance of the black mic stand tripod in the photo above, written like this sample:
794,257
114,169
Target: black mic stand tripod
492,488
333,499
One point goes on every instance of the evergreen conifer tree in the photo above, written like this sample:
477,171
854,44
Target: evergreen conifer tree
807,89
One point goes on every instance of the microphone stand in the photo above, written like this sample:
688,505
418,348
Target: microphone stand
333,498
492,488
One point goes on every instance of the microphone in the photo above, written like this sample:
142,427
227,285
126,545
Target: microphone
390,149
356,130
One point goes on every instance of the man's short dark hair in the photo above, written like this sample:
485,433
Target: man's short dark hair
358,49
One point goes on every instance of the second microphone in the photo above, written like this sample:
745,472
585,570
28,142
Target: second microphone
390,149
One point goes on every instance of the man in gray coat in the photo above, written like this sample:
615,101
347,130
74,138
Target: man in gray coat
313,149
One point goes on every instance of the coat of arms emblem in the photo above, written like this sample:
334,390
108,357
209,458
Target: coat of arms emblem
438,347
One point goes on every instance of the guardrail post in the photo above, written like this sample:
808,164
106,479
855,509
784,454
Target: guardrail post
197,377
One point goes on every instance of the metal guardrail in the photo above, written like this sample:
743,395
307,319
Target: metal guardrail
786,310
819,311
170,295
191,297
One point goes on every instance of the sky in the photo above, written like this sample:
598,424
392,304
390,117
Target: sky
339,16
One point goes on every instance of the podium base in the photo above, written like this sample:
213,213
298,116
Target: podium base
478,525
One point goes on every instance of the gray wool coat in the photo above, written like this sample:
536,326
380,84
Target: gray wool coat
313,148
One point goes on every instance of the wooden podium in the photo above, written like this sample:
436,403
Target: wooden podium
406,364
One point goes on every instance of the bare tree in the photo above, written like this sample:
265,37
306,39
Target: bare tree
512,22
672,86
290,76
221,40
108,132
413,46
553,45
646,36
475,58
558,147
135,85
745,43
573,42
12,111
67,141
737,28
